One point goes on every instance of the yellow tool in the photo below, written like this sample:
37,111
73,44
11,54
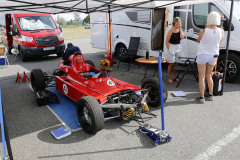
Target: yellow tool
105,63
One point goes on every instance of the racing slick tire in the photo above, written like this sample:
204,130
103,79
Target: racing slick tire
37,80
153,98
90,62
90,114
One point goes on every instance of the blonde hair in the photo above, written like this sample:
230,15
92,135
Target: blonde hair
213,18
175,20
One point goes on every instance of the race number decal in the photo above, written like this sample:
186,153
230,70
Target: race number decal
65,89
110,83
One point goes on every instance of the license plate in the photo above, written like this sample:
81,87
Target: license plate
48,48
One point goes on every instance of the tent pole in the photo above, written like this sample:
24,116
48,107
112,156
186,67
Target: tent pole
227,47
86,6
110,34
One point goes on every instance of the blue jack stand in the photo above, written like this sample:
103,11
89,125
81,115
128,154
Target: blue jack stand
156,134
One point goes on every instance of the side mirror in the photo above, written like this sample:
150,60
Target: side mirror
13,32
60,27
226,25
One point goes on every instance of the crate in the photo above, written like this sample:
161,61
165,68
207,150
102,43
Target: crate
2,49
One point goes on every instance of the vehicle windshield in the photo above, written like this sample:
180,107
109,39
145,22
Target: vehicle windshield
33,23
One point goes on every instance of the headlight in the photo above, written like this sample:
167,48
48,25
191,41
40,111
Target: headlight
60,36
26,39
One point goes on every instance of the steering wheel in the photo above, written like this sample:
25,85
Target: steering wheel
77,53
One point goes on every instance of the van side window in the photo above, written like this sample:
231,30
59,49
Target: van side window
139,16
200,13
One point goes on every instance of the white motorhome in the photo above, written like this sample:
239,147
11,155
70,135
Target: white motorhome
152,27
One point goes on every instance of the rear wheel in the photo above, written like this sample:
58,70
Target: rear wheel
153,98
233,67
121,50
90,62
90,114
37,80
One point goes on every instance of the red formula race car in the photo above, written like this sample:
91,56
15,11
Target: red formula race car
95,92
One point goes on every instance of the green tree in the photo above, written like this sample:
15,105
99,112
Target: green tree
77,17
61,21
87,19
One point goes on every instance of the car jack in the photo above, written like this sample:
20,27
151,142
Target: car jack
156,134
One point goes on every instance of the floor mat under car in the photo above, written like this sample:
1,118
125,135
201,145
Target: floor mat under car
65,111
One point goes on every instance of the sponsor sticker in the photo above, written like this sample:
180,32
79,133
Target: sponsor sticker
65,89
110,83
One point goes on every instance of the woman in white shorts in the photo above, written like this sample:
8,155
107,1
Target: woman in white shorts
209,40
173,39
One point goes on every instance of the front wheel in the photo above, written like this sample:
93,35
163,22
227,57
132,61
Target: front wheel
90,114
23,57
153,98
60,54
233,67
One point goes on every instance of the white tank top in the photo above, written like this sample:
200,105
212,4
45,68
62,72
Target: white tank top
209,43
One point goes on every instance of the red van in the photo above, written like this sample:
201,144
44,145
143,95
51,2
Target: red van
31,35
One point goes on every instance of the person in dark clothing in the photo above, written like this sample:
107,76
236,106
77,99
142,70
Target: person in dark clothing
71,49
173,39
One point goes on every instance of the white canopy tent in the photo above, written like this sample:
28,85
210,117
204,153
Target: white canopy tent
88,6
85,6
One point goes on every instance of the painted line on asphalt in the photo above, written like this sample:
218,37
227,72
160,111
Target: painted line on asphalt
217,147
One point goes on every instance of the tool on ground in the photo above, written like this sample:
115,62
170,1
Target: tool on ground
156,134
105,63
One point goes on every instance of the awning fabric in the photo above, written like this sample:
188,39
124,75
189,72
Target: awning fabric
84,6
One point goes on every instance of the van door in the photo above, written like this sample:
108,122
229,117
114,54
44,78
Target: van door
8,35
15,37
98,31
158,29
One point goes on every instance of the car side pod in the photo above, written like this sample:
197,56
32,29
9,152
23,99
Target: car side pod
156,134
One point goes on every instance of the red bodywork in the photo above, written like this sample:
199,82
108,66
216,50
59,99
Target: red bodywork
76,85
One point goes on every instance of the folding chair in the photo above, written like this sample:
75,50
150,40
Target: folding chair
131,54
4,56
189,66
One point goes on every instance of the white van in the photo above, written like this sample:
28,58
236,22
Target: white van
152,27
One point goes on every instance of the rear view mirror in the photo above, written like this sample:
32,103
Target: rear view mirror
13,32
226,25
60,27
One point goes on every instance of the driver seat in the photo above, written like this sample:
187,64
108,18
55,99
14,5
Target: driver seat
79,64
